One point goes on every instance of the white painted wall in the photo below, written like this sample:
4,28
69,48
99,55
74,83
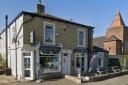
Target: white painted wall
2,44
11,46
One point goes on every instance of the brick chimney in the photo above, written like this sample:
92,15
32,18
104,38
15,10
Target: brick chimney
40,8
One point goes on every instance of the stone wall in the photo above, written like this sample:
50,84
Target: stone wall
65,33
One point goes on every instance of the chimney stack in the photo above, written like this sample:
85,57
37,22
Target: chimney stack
40,8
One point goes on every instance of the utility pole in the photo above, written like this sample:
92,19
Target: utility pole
6,39
7,70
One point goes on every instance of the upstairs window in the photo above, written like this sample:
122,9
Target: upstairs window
49,33
81,38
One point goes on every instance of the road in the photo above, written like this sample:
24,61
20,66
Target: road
122,80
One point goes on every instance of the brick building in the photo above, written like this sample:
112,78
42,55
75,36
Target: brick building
115,41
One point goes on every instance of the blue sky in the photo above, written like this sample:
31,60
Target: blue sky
97,13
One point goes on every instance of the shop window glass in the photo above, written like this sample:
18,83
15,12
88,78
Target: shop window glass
99,61
49,63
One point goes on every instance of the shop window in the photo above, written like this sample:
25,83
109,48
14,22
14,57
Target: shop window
99,61
49,33
49,63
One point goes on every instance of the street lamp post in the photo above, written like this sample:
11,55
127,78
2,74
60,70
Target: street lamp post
6,39
7,70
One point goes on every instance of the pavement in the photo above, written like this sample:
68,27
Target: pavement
49,82
121,80
7,80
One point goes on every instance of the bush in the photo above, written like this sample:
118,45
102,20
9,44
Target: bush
2,62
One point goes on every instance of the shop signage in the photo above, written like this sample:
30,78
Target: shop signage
80,50
46,49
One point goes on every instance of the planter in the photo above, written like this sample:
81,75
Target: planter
1,72
8,72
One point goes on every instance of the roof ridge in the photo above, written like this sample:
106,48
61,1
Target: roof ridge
112,38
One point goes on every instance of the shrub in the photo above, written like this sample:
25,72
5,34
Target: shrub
2,62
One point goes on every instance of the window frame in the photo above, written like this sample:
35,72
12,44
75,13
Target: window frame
59,61
78,32
49,24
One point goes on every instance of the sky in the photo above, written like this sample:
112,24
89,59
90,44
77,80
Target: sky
96,13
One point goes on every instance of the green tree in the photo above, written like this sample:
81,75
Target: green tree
2,62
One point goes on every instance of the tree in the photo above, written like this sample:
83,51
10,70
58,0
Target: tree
2,62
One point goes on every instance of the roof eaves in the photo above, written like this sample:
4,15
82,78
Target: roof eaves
57,18
35,14
12,21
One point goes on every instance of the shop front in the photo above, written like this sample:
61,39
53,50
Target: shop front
50,59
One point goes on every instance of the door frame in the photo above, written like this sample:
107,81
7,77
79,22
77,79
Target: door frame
85,63
68,51
31,65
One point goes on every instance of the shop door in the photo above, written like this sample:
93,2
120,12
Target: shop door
66,63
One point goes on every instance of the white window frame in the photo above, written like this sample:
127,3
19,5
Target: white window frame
51,24
85,63
31,65
78,38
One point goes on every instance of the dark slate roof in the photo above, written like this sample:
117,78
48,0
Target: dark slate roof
112,38
98,49
99,41
43,15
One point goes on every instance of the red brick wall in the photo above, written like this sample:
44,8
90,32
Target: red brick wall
117,31
119,46
111,47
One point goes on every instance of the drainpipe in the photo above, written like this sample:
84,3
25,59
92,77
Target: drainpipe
90,44
15,41
6,40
